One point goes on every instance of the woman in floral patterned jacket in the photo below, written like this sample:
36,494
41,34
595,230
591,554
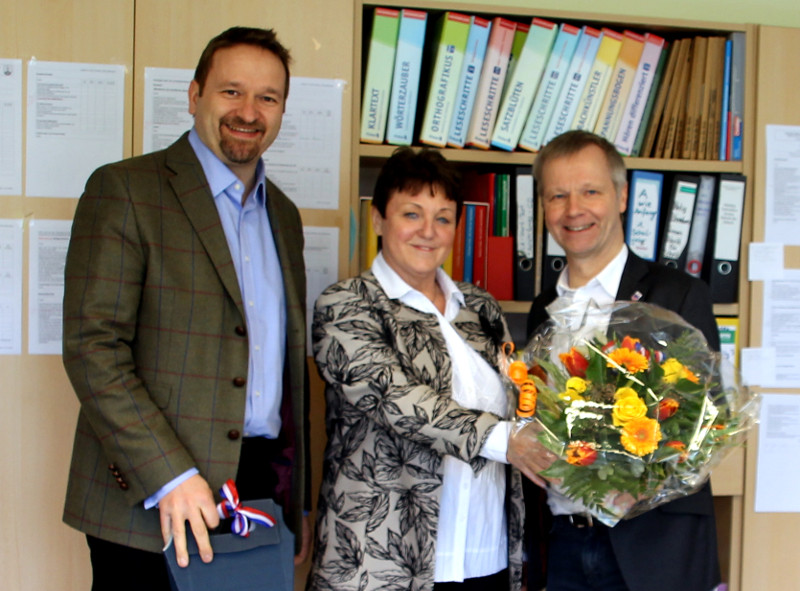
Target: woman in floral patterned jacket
417,492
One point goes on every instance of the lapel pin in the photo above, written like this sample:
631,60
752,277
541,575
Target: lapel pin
637,295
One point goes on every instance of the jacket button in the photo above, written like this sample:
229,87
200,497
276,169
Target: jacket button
233,434
241,330
239,382
123,485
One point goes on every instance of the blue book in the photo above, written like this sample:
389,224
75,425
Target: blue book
469,241
405,82
726,90
644,212
468,81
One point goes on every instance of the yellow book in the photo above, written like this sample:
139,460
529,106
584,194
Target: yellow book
729,339
597,81
367,238
620,85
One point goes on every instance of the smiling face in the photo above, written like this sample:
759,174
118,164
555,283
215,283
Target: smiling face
239,113
417,234
582,208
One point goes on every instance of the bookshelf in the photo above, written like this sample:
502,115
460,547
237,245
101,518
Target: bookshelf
729,478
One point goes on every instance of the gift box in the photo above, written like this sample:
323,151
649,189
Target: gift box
262,561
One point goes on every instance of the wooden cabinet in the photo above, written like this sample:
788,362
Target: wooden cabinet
728,480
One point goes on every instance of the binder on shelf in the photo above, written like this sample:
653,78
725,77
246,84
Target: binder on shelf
574,82
694,100
698,237
458,246
725,110
452,31
468,81
736,102
493,74
658,117
555,259
644,213
522,84
647,115
405,81
378,77
481,246
544,103
368,239
597,83
469,240
728,215
729,338
502,209
620,85
479,188
679,221
631,115
525,231
500,252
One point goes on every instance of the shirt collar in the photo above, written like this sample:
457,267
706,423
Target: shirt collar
606,282
221,178
397,289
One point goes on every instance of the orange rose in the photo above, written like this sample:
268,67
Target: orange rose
581,453
666,408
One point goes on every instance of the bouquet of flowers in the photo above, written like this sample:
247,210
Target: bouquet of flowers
632,401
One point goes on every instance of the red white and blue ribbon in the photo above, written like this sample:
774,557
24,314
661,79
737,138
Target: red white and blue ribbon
231,507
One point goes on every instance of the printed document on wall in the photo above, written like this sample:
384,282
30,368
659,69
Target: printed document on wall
777,487
75,124
10,127
321,253
783,184
166,106
304,161
781,329
10,287
49,240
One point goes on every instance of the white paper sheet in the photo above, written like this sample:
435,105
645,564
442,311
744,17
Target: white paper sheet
166,106
777,479
75,124
780,329
783,184
765,261
304,160
10,127
49,240
321,254
10,287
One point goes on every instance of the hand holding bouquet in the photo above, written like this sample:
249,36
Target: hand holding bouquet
632,401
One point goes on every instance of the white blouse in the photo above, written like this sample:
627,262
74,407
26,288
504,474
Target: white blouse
472,539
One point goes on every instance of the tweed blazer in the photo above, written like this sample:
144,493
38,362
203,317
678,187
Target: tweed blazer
155,344
390,419
674,546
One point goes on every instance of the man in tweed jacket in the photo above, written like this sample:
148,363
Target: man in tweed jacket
165,327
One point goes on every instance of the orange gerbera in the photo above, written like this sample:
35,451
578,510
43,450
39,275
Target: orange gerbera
640,436
631,360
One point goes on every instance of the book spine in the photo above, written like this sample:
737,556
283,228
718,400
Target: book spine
480,251
468,81
405,83
490,86
574,83
620,85
640,90
597,81
451,45
523,83
725,111
378,77
650,105
458,247
553,79
737,96
469,241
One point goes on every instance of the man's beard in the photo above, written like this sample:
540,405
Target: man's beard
240,151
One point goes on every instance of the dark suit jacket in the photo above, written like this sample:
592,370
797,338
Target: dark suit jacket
672,547
155,344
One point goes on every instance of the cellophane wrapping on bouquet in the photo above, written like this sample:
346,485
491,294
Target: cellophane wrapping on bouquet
633,402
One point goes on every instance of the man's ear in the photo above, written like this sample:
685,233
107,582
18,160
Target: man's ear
623,196
194,94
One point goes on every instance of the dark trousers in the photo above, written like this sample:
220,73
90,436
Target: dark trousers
120,568
497,581
581,559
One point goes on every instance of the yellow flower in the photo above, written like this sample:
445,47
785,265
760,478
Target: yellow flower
641,436
570,396
624,393
633,361
577,384
627,408
674,370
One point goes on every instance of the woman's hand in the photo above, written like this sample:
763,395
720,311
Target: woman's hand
526,453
